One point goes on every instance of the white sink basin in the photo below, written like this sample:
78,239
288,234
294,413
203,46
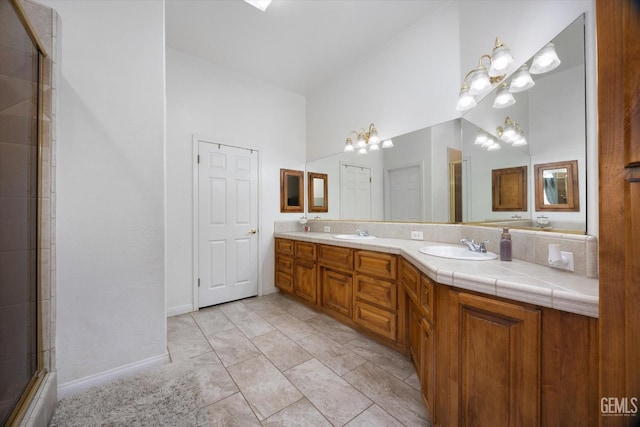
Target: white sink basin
457,252
352,237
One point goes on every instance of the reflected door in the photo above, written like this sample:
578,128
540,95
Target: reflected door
404,201
355,192
228,218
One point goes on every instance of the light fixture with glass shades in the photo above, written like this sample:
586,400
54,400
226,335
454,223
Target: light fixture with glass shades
480,80
365,141
545,60
484,140
521,80
504,98
511,133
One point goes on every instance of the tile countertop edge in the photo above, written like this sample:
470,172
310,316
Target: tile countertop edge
486,283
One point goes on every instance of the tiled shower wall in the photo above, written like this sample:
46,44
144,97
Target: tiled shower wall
528,245
44,21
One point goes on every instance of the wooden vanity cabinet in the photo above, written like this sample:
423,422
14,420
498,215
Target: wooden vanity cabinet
305,271
375,304
494,368
284,265
336,279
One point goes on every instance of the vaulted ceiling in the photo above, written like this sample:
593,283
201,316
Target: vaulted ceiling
296,44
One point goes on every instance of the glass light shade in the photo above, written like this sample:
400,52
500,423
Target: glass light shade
494,146
501,60
479,81
348,147
488,142
481,138
362,150
387,143
260,4
374,147
504,98
373,136
465,100
545,60
361,143
521,80
509,134
520,140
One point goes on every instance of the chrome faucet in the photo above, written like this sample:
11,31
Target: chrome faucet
475,247
362,233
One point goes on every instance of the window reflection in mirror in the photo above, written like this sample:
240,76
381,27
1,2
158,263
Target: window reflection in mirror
318,192
291,190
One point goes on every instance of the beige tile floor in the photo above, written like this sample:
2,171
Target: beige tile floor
270,361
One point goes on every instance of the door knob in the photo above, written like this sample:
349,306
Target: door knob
253,231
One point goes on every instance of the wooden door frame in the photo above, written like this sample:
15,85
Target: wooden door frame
195,227
619,168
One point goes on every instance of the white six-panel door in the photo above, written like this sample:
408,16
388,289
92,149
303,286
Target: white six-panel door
355,192
227,223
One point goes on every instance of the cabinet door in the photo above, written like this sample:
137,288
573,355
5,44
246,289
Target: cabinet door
415,325
337,291
304,280
427,297
410,279
496,351
427,365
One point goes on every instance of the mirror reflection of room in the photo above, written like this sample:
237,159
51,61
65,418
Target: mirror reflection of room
411,182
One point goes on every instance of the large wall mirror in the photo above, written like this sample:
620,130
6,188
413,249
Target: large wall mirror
411,181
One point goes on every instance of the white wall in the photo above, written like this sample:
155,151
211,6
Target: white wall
408,84
110,291
558,131
207,100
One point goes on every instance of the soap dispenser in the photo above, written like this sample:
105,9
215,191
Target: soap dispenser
505,245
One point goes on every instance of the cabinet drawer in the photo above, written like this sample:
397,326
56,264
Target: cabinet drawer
410,279
284,246
381,293
284,281
284,263
376,264
305,250
336,256
427,297
375,319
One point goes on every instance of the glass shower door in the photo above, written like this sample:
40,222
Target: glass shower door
18,210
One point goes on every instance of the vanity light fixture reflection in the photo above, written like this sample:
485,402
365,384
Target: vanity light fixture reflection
545,60
504,98
365,140
511,133
521,80
480,80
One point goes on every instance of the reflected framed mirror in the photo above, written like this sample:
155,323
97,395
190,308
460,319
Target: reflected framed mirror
556,186
318,192
291,190
509,189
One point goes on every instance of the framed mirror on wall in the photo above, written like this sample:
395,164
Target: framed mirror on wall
557,186
318,191
509,189
291,190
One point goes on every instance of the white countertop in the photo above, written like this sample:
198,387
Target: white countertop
516,280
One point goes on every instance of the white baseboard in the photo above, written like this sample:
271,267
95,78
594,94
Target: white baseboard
181,309
82,384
